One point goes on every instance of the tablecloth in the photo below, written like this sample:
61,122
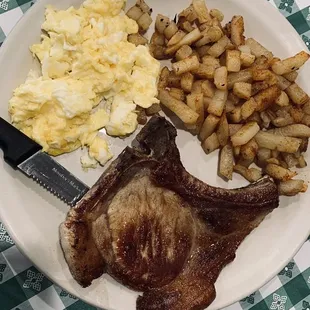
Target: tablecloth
23,287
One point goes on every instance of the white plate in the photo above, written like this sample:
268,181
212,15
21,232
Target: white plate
32,216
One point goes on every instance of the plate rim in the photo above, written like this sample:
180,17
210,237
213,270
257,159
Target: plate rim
280,18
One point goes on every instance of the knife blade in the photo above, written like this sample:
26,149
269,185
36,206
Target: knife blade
22,153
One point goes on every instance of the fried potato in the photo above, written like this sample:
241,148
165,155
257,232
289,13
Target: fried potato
301,162
235,115
171,30
237,31
220,78
144,22
296,94
263,154
177,93
163,78
186,65
242,76
218,48
279,173
210,144
257,49
245,134
184,52
134,12
234,128
201,11
207,88
186,26
174,80
208,127
176,38
292,76
195,102
277,142
153,109
233,62
249,151
217,104
209,35
267,97
226,162
185,113
158,39
223,130
243,90
252,174
205,71
292,187
283,100
187,80
144,7
306,107
290,160
248,108
290,64
217,14
161,23
137,39
283,83
203,50
246,59
295,130
189,14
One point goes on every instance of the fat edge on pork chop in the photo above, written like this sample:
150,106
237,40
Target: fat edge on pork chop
157,229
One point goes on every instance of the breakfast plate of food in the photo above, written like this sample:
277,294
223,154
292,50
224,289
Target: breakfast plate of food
175,135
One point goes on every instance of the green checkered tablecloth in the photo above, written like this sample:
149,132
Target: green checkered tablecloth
23,287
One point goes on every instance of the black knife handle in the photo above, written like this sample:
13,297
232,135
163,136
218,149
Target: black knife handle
16,146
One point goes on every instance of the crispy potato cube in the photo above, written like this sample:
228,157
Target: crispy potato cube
233,98
245,134
306,107
242,76
301,162
220,78
184,52
290,159
208,127
210,144
277,142
134,13
257,49
247,59
203,50
235,115
137,39
195,102
297,114
186,65
296,94
248,108
158,52
217,104
210,35
217,14
294,130
283,100
292,187
187,80
218,48
185,113
290,64
161,23
243,90
263,154
206,103
267,97
176,38
174,80
171,30
177,93
208,88
223,130
205,71
279,173
249,150
186,26
234,128
226,162
211,61
158,39
144,22
237,31
283,83
201,11
251,174
292,76
233,62
229,107
163,78
144,7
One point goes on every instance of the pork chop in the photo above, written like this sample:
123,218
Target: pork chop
157,229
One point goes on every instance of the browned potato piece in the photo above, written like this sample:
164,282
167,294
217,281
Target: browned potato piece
144,7
158,52
290,64
306,107
217,104
237,31
295,130
249,150
296,113
163,78
144,22
158,39
208,88
279,173
220,78
197,87
290,160
242,76
246,59
210,35
257,49
259,86
223,130
177,93
283,100
201,11
187,26
245,134
210,144
296,94
276,142
176,38
235,115
189,13
134,13
252,174
184,52
174,80
292,76
301,162
203,50
185,113
218,48
155,108
186,65
263,154
205,71
283,83
206,103
171,30
226,162
161,23
195,102
233,98
137,39
267,97
187,80
208,127
292,187
217,14
243,90
234,128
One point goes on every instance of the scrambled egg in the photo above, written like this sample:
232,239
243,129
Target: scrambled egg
85,57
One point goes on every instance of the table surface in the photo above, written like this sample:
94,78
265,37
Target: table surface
23,287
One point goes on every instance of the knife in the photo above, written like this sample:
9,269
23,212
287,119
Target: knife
22,153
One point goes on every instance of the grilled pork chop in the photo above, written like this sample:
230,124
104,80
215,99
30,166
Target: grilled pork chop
157,229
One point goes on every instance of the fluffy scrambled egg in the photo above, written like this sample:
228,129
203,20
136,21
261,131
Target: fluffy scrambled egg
85,57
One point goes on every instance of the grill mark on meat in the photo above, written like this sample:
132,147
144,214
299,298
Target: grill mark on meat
155,228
